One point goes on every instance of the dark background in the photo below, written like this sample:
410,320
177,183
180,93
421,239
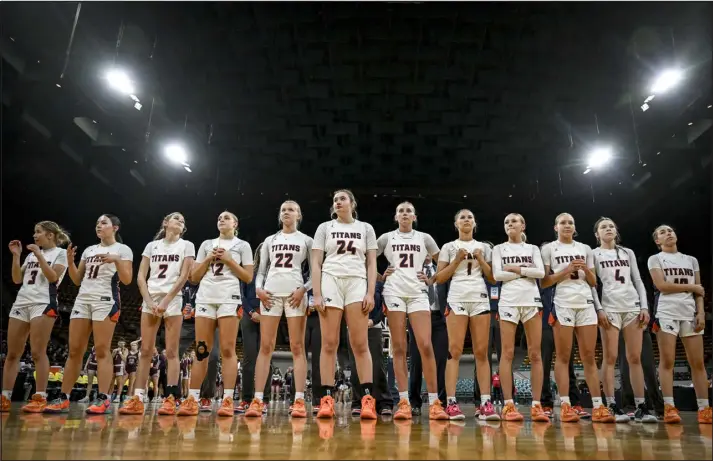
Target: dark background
491,107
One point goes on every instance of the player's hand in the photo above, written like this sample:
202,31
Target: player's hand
513,269
109,258
644,318
389,270
34,249
368,303
265,298
700,322
574,266
422,277
461,254
603,320
296,297
371,323
71,253
699,290
15,247
318,304
162,306
223,255
255,317
478,254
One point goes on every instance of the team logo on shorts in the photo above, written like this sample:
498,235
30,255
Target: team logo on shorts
567,319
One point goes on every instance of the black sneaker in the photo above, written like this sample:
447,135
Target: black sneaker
619,415
416,411
642,415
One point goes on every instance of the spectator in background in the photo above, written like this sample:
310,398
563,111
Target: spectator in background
497,391
163,372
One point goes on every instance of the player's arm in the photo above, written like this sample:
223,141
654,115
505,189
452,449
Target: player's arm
484,258
501,274
636,280
588,268
657,276
319,244
181,282
308,282
141,280
371,272
446,268
242,271
48,271
18,271
76,273
201,264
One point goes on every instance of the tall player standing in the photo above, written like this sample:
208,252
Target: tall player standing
626,309
572,265
220,265
465,262
344,284
96,310
35,309
281,288
167,261
405,294
519,265
679,313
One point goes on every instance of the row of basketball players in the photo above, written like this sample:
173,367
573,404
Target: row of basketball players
342,275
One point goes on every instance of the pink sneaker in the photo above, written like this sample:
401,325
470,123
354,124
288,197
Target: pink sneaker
454,413
488,413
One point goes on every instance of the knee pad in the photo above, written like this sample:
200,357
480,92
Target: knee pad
202,351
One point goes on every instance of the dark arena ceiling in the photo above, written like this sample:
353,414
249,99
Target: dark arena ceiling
490,106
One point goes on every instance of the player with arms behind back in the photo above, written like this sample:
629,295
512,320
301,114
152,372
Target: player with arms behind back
96,310
518,265
679,313
626,310
35,309
572,267
281,288
167,261
344,284
220,265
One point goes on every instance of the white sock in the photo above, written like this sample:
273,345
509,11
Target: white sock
196,393
227,393
43,394
611,400
484,399
140,393
403,395
432,397
509,401
7,394
597,402
639,401
702,403
668,401
451,399
259,396
535,403
564,400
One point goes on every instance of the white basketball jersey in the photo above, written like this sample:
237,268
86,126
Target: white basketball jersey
406,253
166,261
345,245
35,288
101,282
573,292
521,291
676,268
614,269
281,259
467,283
220,285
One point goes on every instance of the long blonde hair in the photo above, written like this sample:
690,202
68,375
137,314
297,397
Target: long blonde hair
162,231
61,237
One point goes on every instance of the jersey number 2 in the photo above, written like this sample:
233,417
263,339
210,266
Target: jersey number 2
218,269
284,260
162,268
343,247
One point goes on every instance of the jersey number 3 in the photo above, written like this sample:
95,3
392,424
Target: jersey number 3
343,246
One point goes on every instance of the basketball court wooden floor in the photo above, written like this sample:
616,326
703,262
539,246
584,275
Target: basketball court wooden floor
277,436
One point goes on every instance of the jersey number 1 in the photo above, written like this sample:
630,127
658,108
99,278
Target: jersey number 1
93,271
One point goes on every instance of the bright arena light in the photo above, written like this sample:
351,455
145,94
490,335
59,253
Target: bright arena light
666,81
120,81
599,157
176,153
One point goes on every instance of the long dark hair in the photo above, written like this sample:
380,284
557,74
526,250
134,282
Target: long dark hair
116,222
352,199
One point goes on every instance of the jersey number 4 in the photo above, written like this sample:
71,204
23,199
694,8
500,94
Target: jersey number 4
343,246
683,281
284,260
619,278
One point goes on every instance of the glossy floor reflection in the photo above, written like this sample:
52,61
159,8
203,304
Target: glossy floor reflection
276,436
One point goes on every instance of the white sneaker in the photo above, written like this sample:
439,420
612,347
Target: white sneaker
84,400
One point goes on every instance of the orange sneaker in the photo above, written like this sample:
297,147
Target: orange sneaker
133,406
602,414
189,407
510,413
403,411
705,415
255,409
670,415
567,414
326,407
538,415
169,406
437,413
368,407
226,408
60,405
298,409
4,404
36,405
